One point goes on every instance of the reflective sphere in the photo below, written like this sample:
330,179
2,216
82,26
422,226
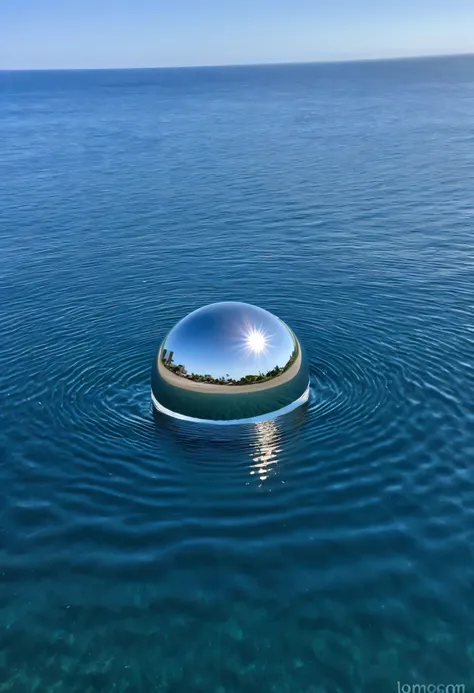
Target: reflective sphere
229,362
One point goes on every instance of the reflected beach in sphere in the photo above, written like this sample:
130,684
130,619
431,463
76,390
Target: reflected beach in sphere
229,362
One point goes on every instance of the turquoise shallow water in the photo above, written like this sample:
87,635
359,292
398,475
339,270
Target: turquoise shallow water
330,550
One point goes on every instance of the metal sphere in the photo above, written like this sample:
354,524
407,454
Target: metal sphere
229,362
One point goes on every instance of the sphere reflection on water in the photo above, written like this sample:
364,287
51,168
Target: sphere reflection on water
266,449
229,362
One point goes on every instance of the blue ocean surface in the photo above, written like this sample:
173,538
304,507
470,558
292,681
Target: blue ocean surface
331,550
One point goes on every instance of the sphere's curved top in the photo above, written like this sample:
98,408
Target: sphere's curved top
229,344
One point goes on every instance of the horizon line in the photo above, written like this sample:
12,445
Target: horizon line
335,61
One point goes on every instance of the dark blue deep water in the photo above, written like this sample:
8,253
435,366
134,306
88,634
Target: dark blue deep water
332,550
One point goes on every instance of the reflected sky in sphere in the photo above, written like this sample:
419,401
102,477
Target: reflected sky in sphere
230,340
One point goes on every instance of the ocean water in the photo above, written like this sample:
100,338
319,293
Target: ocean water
329,550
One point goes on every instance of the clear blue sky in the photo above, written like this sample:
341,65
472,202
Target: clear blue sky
146,33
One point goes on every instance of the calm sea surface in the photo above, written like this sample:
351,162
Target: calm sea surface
332,550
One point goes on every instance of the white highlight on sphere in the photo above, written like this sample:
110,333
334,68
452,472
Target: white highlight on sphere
256,340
